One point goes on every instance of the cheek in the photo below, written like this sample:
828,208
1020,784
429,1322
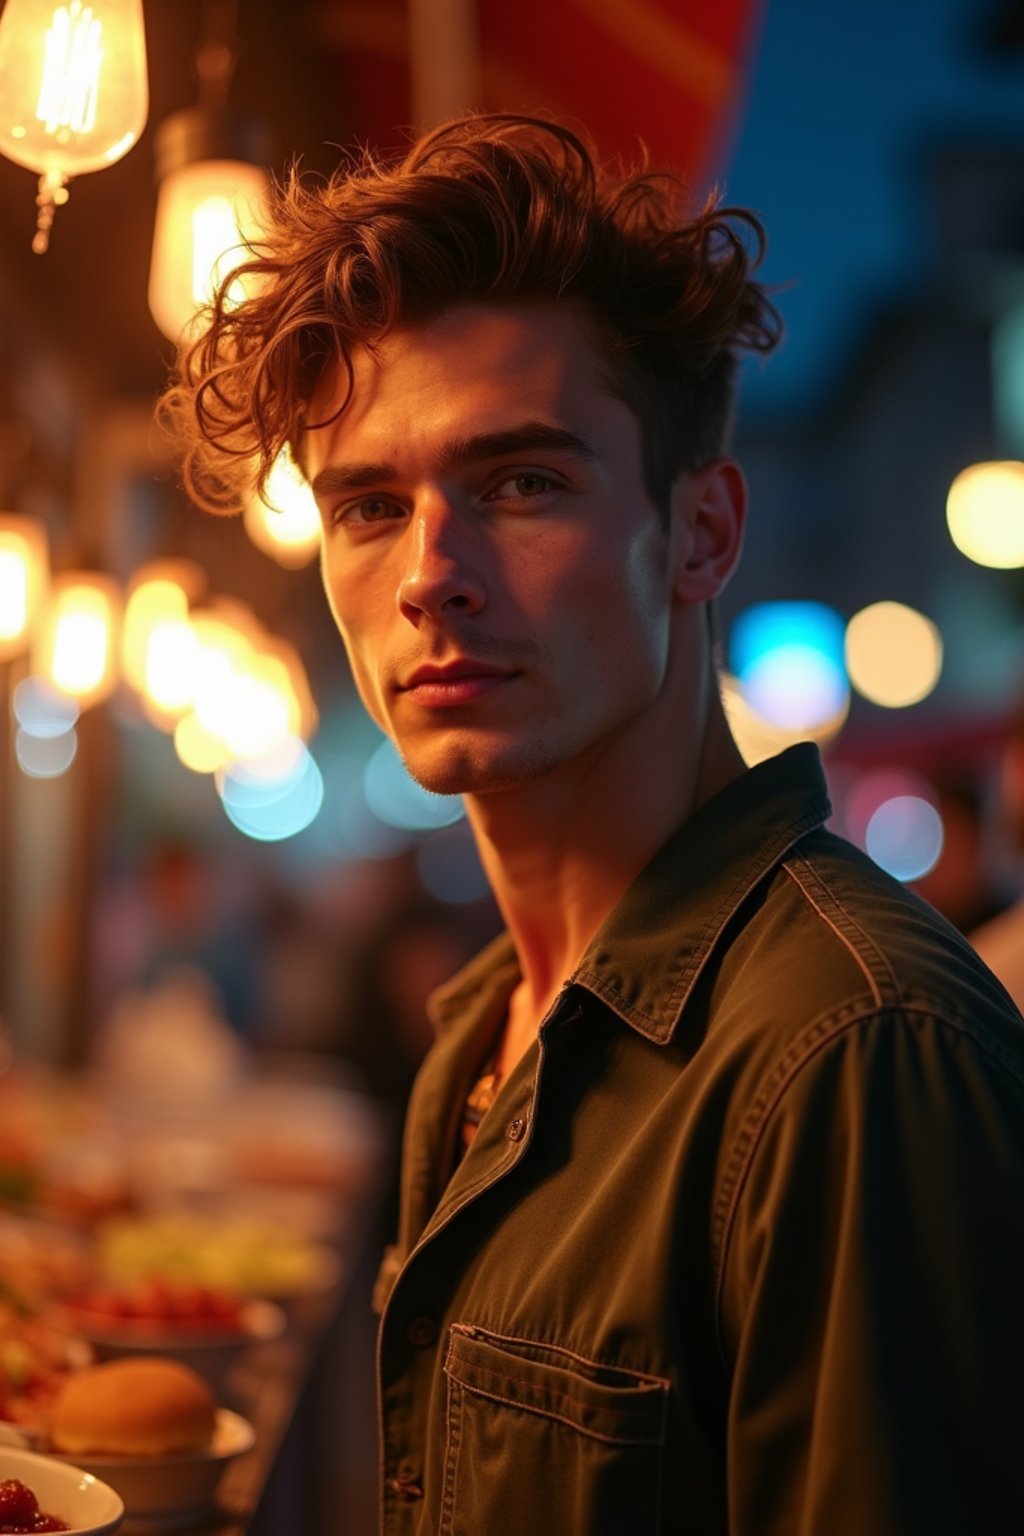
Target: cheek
351,611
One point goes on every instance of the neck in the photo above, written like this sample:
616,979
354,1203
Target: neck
561,850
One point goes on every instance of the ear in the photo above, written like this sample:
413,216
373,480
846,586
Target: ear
708,510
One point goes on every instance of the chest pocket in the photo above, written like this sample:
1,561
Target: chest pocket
540,1439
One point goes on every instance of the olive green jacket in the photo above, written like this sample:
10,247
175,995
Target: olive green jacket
739,1246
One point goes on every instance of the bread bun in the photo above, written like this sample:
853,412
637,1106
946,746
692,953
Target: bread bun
143,1406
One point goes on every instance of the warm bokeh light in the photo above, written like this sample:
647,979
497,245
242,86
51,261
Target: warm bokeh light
286,525
76,648
985,513
758,738
893,654
13,595
198,748
160,593
286,655
255,714
23,580
169,681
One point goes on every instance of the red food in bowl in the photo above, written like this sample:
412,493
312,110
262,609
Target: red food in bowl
171,1303
20,1512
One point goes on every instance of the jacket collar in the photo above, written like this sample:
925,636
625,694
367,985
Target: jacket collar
647,955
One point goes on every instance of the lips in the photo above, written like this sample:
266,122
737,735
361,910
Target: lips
454,684
451,672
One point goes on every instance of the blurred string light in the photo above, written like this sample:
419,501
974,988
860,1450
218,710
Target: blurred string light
286,525
73,91
243,708
75,646
24,576
985,513
789,660
243,693
893,654
156,631
236,698
891,813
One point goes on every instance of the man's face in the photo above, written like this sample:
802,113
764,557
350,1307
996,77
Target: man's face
498,573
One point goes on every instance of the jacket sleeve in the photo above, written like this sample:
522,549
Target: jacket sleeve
872,1291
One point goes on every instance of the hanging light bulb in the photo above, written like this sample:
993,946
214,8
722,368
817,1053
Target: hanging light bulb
210,168
73,91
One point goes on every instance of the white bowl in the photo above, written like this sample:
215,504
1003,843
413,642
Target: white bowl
88,1505
210,1351
166,1491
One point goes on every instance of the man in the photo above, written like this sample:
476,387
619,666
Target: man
738,1244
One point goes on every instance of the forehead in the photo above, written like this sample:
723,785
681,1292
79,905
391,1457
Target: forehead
477,366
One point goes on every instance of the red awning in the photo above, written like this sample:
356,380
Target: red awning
670,73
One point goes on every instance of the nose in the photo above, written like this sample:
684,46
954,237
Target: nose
441,577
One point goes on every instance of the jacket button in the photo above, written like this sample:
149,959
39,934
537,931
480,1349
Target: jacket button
516,1130
404,1488
421,1332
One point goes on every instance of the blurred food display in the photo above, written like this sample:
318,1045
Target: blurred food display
154,1245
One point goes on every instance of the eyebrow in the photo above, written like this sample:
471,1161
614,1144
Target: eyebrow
459,451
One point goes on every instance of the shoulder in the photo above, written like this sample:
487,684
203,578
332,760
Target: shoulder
855,941
861,1019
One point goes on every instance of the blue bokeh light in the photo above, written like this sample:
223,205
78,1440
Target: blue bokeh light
43,711
45,757
789,659
905,836
272,809
395,798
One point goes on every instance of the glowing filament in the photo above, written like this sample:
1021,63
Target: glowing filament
71,71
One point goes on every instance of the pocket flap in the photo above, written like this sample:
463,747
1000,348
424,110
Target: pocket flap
607,1402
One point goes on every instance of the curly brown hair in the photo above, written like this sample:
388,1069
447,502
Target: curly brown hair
489,208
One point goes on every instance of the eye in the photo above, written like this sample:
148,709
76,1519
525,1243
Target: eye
368,509
527,485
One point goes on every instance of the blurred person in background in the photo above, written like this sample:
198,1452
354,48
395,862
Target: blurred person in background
1000,940
174,909
713,1182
